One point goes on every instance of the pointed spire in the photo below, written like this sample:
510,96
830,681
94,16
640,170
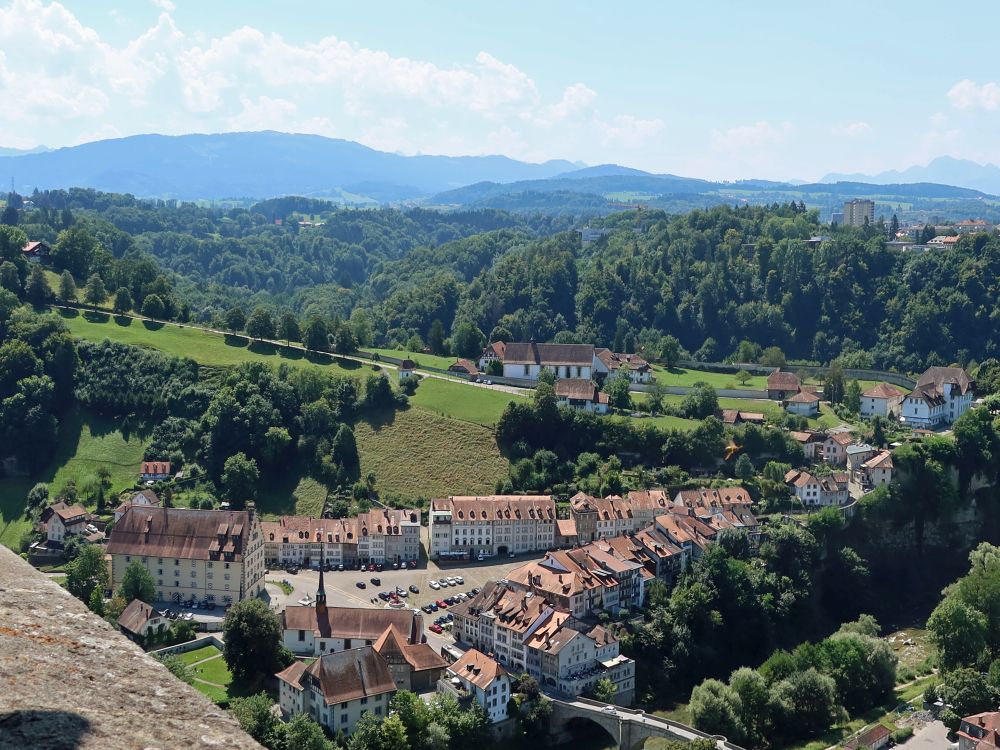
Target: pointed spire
321,591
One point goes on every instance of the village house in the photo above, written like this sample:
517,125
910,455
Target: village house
466,527
803,403
610,363
834,448
979,731
944,241
478,677
581,394
337,689
875,472
138,620
154,471
464,367
414,666
781,385
206,555
311,631
379,536
492,352
821,491
688,532
871,739
941,396
857,454
811,442
883,400
407,369
36,252
736,416
566,534
142,497
62,521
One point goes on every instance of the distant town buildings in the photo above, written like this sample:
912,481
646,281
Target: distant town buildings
483,526
859,212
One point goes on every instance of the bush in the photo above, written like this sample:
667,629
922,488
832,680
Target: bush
950,719
901,735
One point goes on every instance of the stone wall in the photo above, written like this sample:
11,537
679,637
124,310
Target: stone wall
70,680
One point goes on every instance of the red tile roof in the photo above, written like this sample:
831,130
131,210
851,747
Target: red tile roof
782,381
883,390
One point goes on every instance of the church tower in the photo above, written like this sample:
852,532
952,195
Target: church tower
320,593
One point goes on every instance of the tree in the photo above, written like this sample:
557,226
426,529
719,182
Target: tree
959,633
36,288
617,388
605,690
74,250
878,431
9,216
288,327
716,708
343,340
772,357
344,452
852,397
96,603
316,335
302,733
95,292
805,703
833,384
10,279
240,476
670,351
752,689
967,690
123,301
744,467
152,307
260,325
137,583
252,646
276,442
86,573
67,287
743,377
701,402
435,337
255,714
467,341
235,319
655,397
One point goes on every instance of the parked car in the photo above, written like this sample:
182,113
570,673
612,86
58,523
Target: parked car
436,628
510,555
341,567
459,580
414,589
475,590
427,608
434,585
413,564
434,607
376,581
361,584
395,566
383,596
442,603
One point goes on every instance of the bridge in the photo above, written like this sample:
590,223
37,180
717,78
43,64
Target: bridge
630,728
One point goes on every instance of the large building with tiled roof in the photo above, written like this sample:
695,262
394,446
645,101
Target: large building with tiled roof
882,400
611,363
472,526
483,679
941,396
214,555
414,666
378,536
311,631
337,689
979,731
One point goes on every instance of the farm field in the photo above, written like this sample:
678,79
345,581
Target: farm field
204,347
468,403
86,442
679,376
422,360
417,453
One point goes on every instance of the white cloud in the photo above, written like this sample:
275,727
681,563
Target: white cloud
967,94
852,129
761,134
628,131
165,5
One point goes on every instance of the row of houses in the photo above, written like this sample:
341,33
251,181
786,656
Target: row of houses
378,536
527,360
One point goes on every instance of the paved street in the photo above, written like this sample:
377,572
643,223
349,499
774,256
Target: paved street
933,736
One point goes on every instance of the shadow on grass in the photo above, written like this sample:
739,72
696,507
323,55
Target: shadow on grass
263,348
276,492
232,339
290,352
93,316
348,364
70,312
152,325
123,320
380,419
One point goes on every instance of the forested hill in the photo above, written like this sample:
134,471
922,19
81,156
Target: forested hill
724,282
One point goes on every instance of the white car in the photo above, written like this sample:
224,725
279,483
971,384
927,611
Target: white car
459,580
444,582
434,585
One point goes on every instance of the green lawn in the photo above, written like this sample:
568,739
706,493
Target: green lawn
215,671
422,360
718,380
204,347
214,694
465,402
664,422
205,652
415,453
86,442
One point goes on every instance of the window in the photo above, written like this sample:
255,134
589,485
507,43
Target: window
343,717
127,558
302,635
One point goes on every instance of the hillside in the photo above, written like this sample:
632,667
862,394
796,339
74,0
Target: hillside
259,165
946,169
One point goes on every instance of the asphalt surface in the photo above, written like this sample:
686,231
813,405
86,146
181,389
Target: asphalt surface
933,736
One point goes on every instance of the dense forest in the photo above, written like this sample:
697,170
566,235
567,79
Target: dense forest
712,279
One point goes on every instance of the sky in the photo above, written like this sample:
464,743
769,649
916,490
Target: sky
719,90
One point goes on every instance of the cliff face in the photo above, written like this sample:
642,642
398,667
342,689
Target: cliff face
70,680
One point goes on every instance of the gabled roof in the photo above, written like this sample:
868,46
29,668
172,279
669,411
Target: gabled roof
579,389
155,467
615,360
939,376
68,513
841,438
498,507
881,460
356,623
804,397
566,527
477,668
494,349
883,390
868,738
135,616
344,675
782,381
928,393
407,364
179,532
464,365
549,354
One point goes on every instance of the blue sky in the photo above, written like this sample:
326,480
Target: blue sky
721,90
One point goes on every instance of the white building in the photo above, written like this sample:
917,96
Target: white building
942,395
469,526
876,471
63,521
576,393
803,403
610,363
525,361
338,689
884,400
483,679
818,491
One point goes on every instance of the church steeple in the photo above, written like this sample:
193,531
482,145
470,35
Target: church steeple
321,591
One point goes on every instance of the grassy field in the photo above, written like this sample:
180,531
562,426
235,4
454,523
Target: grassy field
86,442
718,380
205,652
422,360
204,347
465,402
214,670
418,453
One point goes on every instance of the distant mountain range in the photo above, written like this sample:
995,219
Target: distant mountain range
23,151
259,165
944,169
